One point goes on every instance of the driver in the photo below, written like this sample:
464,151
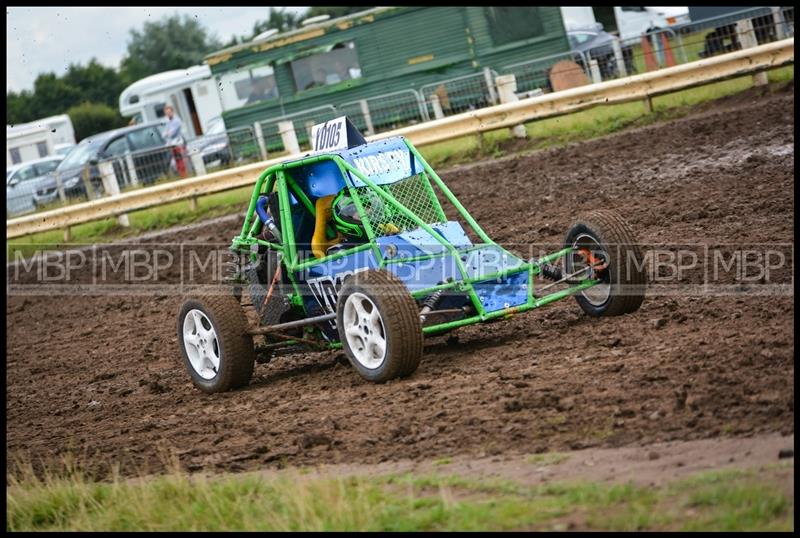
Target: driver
348,222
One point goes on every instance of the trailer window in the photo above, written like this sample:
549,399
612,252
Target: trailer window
507,24
246,86
337,65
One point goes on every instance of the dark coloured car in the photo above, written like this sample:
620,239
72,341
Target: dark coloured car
143,146
595,44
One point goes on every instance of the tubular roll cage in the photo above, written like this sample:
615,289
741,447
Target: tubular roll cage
288,252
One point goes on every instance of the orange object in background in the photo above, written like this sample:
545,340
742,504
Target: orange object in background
669,58
650,62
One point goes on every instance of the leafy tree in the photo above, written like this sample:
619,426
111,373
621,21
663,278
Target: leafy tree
19,107
90,118
97,83
172,43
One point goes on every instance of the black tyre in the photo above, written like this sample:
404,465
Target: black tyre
214,344
379,326
603,239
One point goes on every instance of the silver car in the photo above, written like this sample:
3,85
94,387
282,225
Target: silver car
22,180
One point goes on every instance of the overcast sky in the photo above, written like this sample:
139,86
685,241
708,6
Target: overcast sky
48,39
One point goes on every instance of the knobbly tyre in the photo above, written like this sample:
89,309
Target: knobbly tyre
362,246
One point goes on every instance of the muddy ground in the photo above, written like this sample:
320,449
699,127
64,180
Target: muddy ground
709,354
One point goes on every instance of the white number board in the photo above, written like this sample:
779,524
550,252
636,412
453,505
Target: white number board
331,135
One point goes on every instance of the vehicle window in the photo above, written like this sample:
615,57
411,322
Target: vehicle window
15,156
145,139
248,85
45,167
507,24
41,147
581,38
338,64
116,148
25,173
80,154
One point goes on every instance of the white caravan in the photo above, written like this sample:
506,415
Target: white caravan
192,92
38,139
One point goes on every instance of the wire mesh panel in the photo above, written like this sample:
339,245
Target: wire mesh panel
414,193
702,38
460,94
243,145
302,123
536,74
385,112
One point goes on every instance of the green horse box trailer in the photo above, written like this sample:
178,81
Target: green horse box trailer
397,51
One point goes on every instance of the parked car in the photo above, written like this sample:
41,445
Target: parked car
22,181
151,156
214,146
595,44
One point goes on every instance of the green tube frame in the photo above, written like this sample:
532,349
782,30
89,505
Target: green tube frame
276,177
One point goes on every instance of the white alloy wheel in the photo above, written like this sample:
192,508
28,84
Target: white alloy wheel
201,344
364,330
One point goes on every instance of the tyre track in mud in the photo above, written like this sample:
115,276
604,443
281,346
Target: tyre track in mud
100,376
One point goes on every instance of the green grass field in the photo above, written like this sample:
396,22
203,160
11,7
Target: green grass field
584,125
303,501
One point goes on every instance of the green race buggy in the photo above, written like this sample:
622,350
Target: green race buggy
365,248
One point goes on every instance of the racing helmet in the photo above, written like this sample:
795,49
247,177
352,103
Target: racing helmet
347,219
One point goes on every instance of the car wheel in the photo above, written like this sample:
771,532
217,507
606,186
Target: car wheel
379,326
214,344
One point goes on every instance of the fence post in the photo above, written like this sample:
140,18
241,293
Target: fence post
780,29
594,69
506,88
747,38
288,136
487,74
60,186
131,168
198,164
437,107
262,147
367,118
111,186
619,58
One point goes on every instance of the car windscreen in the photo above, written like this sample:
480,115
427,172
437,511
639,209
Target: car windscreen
80,154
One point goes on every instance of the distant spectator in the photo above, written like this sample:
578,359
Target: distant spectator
173,136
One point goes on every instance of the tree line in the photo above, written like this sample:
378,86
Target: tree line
89,93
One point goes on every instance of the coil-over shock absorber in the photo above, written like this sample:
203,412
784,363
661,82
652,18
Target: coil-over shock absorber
552,272
429,304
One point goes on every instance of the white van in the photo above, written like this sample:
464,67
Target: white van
628,22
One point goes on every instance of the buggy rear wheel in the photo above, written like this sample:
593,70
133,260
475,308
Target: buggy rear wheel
215,346
604,240
379,326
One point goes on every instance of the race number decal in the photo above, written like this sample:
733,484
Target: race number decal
335,135
330,135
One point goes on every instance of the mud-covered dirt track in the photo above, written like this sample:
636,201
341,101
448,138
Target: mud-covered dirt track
100,376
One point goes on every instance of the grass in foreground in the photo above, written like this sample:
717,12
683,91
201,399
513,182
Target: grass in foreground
731,500
579,126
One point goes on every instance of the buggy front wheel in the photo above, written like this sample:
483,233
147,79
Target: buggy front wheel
379,326
605,248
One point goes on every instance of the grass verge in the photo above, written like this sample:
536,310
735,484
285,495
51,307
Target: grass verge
729,500
584,125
